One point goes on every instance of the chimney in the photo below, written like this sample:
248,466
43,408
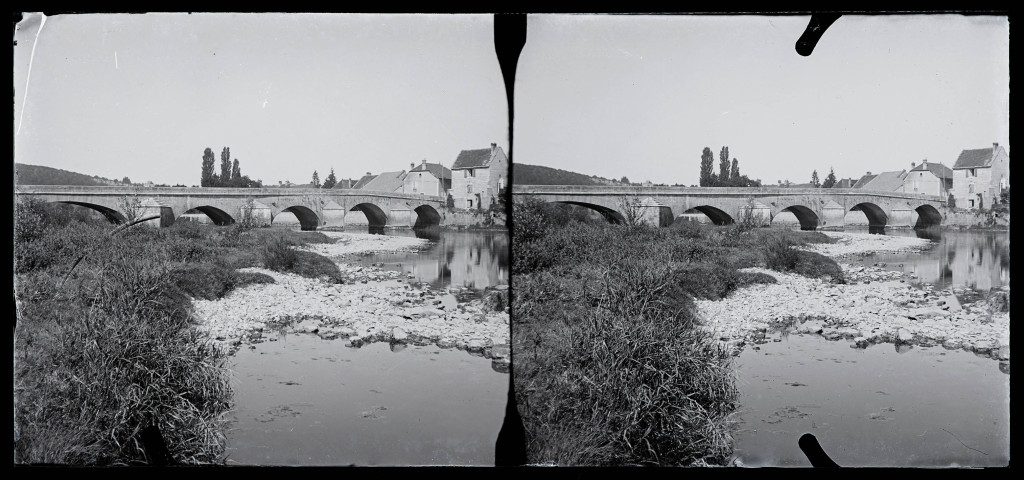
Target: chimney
412,166
912,165
925,163
424,162
869,173
995,147
494,148
368,173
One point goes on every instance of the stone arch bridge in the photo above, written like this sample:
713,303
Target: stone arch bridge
815,208
312,207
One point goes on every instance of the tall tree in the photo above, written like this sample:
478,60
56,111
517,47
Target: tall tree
624,180
723,166
830,180
206,180
707,160
225,167
236,174
316,179
331,180
734,172
814,179
126,181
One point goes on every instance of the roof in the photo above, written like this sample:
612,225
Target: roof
436,169
844,183
363,181
863,181
474,158
886,181
385,182
981,157
937,169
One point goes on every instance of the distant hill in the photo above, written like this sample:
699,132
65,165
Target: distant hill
40,175
523,174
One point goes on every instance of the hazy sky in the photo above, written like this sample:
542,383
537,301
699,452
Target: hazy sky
642,96
143,95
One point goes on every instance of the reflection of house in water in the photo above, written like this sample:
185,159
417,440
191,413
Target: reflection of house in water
980,262
464,259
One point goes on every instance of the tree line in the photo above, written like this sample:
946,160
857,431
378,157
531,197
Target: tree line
728,174
230,172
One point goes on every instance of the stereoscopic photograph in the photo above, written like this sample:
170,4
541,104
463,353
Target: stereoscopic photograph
551,240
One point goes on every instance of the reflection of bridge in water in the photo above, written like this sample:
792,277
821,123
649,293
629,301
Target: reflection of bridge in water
813,207
312,207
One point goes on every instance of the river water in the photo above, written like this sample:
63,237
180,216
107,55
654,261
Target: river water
302,400
884,405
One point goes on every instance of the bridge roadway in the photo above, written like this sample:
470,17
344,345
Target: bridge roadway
312,207
815,208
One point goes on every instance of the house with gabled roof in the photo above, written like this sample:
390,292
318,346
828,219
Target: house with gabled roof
428,179
886,182
863,180
844,183
980,176
929,178
359,184
478,176
385,182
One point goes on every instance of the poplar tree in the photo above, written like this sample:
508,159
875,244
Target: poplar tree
830,180
225,167
814,179
723,166
206,180
707,160
316,179
331,180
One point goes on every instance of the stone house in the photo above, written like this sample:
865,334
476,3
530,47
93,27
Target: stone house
478,176
928,178
980,176
428,179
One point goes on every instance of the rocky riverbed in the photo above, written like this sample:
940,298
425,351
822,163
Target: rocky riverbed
874,306
372,305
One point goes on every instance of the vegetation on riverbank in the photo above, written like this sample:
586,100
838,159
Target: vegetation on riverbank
610,367
105,343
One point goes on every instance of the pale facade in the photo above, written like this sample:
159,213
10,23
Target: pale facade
428,179
478,176
928,179
980,176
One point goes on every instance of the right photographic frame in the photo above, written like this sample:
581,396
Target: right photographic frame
762,240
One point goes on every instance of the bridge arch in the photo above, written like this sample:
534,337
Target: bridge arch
927,216
216,215
610,214
716,215
426,216
807,218
112,215
876,216
308,219
375,216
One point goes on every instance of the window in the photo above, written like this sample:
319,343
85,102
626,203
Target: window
469,188
471,203
970,188
972,203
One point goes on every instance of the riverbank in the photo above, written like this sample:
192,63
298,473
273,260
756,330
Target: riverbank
874,306
371,305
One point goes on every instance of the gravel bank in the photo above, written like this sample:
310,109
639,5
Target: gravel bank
876,306
373,305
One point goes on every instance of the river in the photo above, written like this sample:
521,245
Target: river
884,405
304,400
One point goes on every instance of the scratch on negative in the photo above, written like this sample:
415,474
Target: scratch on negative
962,443
28,76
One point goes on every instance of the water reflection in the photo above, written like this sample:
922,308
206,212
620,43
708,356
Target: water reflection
471,259
979,260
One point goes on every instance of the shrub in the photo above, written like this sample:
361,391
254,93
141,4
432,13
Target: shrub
278,255
779,253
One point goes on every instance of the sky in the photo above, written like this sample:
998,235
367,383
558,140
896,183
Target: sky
144,95
642,96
